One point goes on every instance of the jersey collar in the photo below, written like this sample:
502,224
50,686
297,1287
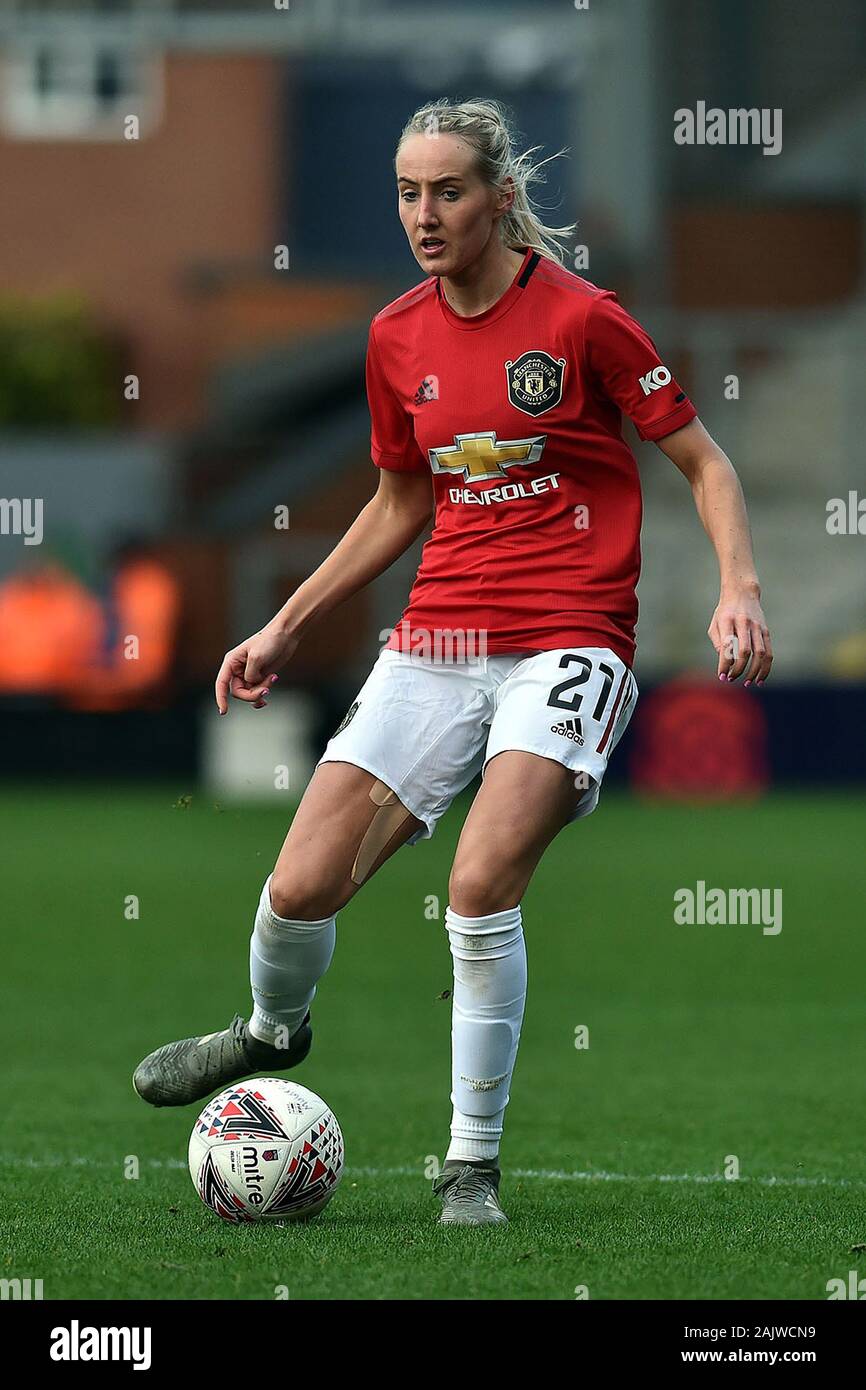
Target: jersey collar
503,303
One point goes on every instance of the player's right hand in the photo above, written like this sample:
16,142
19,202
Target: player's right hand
247,671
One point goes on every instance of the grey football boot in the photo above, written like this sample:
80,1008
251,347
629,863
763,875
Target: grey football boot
469,1192
181,1072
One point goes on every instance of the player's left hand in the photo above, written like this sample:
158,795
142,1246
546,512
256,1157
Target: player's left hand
738,631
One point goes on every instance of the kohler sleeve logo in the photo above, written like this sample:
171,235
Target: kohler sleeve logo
654,380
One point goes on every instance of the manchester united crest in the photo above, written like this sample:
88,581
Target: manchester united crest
535,382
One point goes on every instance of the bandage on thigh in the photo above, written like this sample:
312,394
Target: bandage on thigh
390,815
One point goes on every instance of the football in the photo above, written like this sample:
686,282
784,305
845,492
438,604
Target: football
266,1150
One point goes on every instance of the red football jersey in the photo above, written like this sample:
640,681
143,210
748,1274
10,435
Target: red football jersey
518,413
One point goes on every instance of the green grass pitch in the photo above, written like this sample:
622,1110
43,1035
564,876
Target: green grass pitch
704,1042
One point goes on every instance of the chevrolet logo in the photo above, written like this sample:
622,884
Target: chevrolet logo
478,456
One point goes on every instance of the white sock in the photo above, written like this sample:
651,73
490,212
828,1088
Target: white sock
487,1011
286,960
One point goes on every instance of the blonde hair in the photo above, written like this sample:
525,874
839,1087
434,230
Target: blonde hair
485,125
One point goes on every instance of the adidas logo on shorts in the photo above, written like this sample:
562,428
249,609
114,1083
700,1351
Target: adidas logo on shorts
569,728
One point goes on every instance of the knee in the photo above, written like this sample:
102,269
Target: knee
303,899
476,890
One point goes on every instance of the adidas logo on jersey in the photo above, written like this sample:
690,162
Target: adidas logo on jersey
427,391
569,728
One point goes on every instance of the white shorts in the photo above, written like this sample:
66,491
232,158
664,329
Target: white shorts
426,728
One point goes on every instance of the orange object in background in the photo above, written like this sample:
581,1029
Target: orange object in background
50,625
135,671
697,737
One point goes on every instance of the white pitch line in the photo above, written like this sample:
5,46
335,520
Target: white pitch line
564,1175
406,1171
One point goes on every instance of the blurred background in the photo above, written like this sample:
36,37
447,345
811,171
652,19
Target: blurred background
199,221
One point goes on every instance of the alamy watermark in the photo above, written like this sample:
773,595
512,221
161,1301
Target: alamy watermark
20,1290
22,516
736,126
703,906
84,1343
846,516
854,1288
442,646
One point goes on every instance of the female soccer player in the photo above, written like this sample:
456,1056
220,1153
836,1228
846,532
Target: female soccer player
496,388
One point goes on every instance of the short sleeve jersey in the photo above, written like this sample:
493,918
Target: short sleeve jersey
517,414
